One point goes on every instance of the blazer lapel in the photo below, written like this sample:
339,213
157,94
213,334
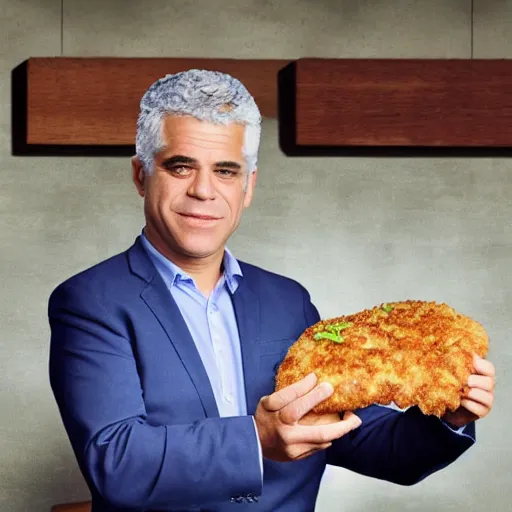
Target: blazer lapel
247,312
160,301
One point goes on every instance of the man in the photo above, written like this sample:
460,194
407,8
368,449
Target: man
162,357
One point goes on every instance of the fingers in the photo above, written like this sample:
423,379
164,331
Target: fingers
478,400
482,382
483,367
319,419
283,437
307,453
482,386
349,415
476,408
291,413
480,396
276,401
319,434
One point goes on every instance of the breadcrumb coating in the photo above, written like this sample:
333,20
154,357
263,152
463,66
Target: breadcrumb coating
410,353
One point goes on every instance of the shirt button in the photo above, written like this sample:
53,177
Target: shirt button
229,398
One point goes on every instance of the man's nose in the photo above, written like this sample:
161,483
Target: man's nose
202,186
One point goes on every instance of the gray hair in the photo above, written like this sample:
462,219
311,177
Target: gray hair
209,96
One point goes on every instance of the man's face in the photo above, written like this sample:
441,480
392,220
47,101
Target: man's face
193,200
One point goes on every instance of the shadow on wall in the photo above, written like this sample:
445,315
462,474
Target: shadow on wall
59,479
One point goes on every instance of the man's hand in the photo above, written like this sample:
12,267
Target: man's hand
479,399
319,419
277,417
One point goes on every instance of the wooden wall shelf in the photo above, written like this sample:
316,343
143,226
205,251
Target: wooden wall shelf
396,107
89,106
84,506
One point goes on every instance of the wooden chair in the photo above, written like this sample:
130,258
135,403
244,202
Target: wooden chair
84,506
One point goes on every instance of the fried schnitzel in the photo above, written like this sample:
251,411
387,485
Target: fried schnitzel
410,353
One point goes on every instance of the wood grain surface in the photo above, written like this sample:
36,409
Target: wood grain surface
398,103
95,101
75,106
84,506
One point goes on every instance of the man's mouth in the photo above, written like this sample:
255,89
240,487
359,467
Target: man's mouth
200,216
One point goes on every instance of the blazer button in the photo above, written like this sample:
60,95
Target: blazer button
237,499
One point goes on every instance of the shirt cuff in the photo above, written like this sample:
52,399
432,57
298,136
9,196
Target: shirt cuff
454,429
259,449
459,430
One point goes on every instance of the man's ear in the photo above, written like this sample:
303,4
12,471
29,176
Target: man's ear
138,175
250,188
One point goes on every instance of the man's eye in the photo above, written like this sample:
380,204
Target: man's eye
227,173
181,170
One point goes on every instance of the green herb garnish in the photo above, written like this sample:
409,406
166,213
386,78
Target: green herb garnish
387,308
332,332
328,336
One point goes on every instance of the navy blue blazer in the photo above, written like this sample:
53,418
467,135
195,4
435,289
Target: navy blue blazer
140,414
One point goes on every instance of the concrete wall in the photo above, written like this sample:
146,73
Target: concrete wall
411,228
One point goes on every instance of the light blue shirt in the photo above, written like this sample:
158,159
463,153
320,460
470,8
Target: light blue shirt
212,324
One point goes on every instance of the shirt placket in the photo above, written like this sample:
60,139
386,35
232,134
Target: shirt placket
222,357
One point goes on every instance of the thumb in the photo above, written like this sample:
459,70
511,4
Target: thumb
353,418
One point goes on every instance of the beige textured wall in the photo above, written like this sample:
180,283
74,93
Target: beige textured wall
411,228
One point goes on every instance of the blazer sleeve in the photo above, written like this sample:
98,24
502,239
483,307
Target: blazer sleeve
126,460
400,447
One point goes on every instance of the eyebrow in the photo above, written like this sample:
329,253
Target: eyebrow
181,159
229,164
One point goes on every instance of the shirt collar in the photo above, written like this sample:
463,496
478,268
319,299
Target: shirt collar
232,270
172,274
